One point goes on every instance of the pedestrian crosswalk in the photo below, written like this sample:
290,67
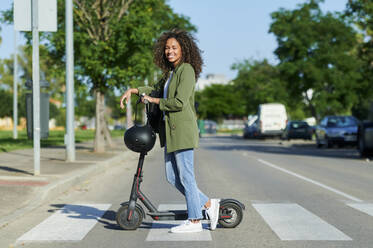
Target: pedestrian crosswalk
288,221
292,222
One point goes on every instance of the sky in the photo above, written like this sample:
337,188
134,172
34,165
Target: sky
228,31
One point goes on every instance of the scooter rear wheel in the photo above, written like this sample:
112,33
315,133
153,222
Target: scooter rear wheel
233,210
136,218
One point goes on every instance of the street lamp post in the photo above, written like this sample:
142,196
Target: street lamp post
36,85
15,89
70,134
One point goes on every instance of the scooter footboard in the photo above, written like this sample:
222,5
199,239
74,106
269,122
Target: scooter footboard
169,215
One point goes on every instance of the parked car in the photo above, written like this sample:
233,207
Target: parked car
365,136
251,128
297,130
339,130
119,127
210,126
365,139
272,119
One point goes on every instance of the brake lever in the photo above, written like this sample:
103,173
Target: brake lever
140,99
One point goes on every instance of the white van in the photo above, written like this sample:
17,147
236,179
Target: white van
272,119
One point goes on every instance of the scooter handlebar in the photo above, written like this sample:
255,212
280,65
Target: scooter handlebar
140,99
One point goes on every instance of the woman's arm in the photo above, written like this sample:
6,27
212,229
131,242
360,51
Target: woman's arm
127,96
137,91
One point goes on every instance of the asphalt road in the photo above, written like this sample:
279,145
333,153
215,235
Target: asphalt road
295,196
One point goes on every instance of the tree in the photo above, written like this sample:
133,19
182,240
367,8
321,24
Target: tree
317,59
113,46
360,13
6,103
218,101
6,73
49,71
258,82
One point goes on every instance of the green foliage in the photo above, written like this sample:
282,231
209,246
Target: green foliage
217,101
360,13
48,72
6,73
119,58
316,54
258,82
6,103
85,104
122,57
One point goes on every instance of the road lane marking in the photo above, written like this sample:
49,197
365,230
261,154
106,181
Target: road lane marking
160,229
310,181
363,207
71,223
293,222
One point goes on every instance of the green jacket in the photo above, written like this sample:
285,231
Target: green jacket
180,126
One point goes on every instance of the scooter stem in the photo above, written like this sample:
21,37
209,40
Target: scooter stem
135,187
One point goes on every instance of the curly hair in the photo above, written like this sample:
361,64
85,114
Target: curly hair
190,53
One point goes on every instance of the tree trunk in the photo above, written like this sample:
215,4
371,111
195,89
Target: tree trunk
311,106
102,132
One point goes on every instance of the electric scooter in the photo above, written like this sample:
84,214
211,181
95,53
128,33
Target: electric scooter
131,214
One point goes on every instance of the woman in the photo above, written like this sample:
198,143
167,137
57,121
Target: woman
178,56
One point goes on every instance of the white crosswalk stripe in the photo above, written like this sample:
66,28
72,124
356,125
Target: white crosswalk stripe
71,223
363,207
292,222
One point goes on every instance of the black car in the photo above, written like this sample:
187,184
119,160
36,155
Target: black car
210,126
365,135
251,129
297,130
338,130
365,139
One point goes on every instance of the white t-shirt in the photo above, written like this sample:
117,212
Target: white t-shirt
165,89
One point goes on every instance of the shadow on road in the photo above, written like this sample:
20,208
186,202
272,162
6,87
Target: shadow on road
87,212
6,168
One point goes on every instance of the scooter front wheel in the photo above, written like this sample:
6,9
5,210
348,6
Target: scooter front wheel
230,215
136,218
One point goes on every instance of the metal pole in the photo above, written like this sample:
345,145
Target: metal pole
70,139
15,89
144,116
36,86
129,114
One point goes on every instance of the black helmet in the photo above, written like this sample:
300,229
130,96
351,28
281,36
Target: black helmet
140,138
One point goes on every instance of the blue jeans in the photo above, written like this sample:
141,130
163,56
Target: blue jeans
180,173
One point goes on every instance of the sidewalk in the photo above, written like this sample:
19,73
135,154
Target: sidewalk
20,191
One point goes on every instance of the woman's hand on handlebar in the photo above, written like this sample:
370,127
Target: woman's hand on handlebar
149,99
127,96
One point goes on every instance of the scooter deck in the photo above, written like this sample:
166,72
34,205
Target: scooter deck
172,215
169,215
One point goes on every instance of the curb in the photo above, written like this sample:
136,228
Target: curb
61,185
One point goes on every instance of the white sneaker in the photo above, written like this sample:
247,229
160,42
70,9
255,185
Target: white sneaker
187,227
213,213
